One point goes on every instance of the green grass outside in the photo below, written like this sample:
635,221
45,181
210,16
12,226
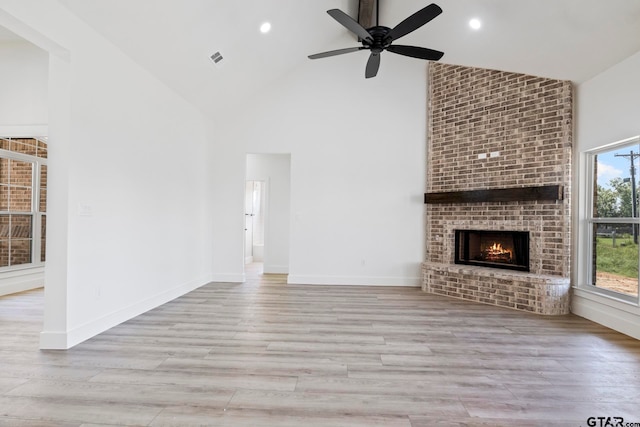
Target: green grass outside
621,259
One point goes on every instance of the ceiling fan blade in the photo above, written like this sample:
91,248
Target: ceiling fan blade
349,23
415,21
416,52
373,64
335,52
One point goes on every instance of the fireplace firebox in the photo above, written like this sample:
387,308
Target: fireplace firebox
493,248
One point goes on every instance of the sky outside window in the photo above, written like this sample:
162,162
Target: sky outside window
611,166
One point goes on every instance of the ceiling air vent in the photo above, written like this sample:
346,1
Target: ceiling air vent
217,58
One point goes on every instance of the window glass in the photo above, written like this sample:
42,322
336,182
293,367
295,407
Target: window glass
4,240
21,237
616,183
42,150
43,188
22,219
4,184
43,238
616,258
24,145
614,246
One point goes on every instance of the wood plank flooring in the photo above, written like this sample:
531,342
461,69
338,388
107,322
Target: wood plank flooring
264,353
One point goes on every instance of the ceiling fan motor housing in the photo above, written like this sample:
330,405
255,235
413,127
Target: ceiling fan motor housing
380,40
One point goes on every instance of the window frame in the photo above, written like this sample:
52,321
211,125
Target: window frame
36,238
591,220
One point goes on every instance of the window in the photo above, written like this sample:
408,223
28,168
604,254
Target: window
614,219
23,195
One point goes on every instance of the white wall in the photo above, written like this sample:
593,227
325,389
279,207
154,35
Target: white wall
357,170
24,73
607,111
128,202
274,170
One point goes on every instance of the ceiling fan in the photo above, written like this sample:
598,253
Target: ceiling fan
378,38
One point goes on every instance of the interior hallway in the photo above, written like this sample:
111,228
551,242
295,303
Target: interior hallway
270,354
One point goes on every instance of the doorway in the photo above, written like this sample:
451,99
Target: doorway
267,213
48,113
23,162
254,221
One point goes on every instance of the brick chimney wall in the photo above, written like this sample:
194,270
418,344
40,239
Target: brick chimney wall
492,129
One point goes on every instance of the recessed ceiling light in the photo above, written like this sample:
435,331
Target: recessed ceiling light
265,28
475,24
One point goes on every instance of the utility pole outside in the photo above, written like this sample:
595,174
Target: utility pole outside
632,158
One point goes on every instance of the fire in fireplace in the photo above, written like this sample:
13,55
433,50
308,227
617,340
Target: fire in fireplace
490,248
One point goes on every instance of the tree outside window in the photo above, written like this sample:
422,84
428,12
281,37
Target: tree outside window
614,246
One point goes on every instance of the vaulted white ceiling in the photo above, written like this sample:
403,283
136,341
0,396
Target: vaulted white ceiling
564,39
8,36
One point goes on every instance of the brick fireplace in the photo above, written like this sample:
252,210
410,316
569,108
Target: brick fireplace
507,249
490,132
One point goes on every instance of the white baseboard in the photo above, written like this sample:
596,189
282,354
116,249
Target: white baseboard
275,269
50,340
618,316
62,340
15,281
227,278
353,280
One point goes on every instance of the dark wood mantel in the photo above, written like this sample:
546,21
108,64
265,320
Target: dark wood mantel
519,194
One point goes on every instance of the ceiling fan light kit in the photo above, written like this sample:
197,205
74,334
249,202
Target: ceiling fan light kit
378,38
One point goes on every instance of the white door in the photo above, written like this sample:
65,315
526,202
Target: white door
248,222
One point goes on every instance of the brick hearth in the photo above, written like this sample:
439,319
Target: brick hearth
491,130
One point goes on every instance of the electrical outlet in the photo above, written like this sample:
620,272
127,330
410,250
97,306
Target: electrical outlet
84,209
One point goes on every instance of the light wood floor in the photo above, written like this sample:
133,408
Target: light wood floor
265,353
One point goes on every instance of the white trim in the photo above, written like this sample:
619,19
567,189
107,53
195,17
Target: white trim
584,252
612,299
28,33
275,269
597,305
228,278
62,340
617,315
613,145
25,279
21,156
21,131
19,269
608,293
353,280
50,340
